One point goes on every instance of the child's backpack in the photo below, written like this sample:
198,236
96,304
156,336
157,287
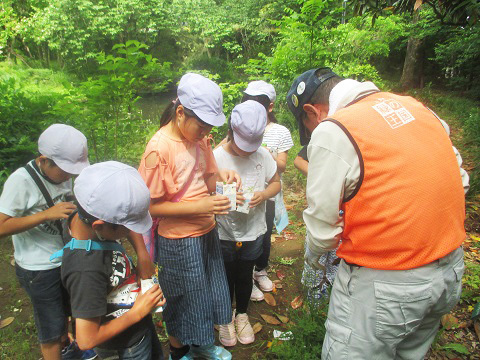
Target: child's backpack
61,225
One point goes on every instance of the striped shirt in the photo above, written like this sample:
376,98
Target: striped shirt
277,138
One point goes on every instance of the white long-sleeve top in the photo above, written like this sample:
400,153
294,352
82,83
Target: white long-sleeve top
334,171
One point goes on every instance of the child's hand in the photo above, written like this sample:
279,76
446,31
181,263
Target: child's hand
145,268
230,176
59,211
215,204
240,198
145,303
257,198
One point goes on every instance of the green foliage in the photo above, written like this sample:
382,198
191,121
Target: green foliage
27,94
453,12
471,283
458,348
459,58
103,107
314,37
308,330
75,31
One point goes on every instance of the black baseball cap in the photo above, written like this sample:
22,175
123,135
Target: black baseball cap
302,91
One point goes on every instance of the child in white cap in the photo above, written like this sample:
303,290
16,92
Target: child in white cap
278,140
36,228
179,168
111,312
241,232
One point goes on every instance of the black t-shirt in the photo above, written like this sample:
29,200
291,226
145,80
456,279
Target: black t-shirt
102,283
303,153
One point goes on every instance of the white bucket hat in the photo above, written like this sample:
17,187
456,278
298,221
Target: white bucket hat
203,97
248,122
260,87
66,146
115,193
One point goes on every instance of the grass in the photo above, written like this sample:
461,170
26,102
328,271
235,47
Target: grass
307,325
17,339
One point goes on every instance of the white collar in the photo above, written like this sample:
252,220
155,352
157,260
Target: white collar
346,91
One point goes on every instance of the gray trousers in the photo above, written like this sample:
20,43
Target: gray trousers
390,314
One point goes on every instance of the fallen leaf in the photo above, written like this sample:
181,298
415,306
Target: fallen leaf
297,302
12,262
476,326
6,322
269,299
280,275
449,321
269,344
274,290
278,285
270,319
257,327
283,319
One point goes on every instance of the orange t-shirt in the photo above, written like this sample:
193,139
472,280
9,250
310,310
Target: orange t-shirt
173,168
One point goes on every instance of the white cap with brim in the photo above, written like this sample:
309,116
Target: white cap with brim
260,87
66,146
203,97
115,193
248,122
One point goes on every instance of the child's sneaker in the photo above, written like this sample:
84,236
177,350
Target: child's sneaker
73,352
244,330
89,355
227,335
185,357
264,282
256,295
209,352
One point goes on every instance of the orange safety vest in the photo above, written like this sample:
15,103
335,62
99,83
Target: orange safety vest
409,206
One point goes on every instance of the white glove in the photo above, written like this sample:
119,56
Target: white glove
313,259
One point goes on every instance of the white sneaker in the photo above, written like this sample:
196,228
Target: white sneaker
244,330
256,295
264,282
227,334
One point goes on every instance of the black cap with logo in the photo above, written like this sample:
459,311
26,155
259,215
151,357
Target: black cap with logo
302,91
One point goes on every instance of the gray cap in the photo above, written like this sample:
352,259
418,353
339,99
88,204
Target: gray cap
203,97
248,123
115,193
66,146
260,87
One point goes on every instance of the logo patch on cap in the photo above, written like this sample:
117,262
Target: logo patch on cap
301,88
294,100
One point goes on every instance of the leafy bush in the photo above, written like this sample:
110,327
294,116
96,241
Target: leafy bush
104,107
314,37
27,94
471,283
460,59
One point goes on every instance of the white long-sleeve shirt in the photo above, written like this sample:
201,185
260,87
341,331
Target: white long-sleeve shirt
334,171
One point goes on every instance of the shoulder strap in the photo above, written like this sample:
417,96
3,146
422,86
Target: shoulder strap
87,245
44,191
182,192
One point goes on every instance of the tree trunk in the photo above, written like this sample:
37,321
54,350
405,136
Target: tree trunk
412,75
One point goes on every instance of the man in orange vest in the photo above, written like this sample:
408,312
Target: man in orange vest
385,179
